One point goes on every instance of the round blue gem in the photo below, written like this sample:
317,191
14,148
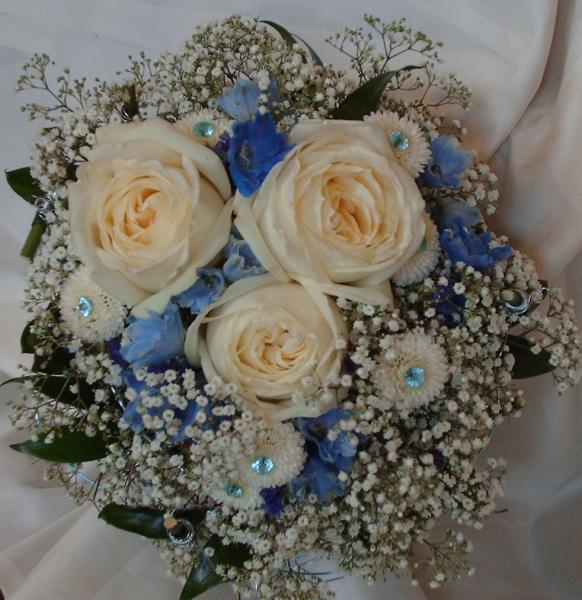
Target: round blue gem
399,141
262,465
414,377
234,490
84,306
204,129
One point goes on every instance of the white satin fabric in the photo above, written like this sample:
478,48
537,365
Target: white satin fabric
522,59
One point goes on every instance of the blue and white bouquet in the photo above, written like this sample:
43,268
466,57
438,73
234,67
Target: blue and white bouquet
265,300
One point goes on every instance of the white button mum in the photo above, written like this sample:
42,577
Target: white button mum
424,260
88,311
410,147
411,372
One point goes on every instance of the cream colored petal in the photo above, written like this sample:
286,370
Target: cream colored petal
209,208
380,294
360,130
82,236
238,288
248,228
161,132
216,240
119,286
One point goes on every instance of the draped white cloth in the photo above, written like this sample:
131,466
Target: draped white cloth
522,59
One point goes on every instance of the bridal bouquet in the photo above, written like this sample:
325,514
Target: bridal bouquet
269,324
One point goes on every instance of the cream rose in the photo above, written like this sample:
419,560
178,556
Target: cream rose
339,211
270,338
147,209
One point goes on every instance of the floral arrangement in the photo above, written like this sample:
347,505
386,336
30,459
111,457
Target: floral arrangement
269,324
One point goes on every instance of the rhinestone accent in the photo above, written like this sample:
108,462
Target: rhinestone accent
414,377
399,141
234,490
263,465
204,129
84,307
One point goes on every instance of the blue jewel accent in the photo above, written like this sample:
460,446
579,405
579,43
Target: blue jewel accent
234,490
414,377
204,129
262,465
84,306
399,141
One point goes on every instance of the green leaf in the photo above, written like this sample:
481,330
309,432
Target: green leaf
37,228
68,447
59,388
290,39
55,364
14,380
28,340
233,555
314,56
367,97
72,172
195,515
130,106
284,33
203,575
527,364
142,520
22,182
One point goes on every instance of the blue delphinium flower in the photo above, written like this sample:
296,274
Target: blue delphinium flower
221,147
326,458
240,261
448,210
134,411
114,350
474,249
447,162
273,500
319,478
241,101
155,339
206,290
449,305
133,417
255,147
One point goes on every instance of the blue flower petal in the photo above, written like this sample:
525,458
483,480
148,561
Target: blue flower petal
241,101
206,290
273,501
155,339
447,162
326,458
449,210
132,417
240,261
317,478
255,147
473,249
134,410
